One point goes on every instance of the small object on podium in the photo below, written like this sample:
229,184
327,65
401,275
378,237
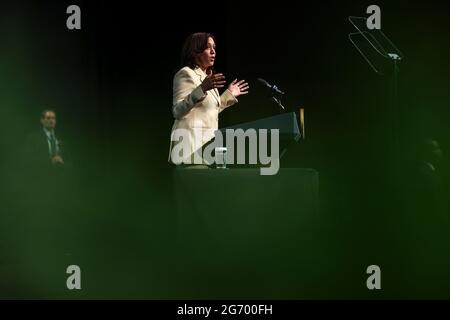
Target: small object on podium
302,123
221,158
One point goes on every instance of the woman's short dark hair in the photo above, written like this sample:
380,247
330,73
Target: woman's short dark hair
195,44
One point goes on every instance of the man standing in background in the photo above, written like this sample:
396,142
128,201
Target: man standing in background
44,148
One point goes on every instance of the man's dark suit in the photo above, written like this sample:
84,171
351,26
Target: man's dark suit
37,155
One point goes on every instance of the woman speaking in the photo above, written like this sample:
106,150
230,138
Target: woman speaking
196,99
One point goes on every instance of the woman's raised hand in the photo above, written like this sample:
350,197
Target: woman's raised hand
213,81
238,88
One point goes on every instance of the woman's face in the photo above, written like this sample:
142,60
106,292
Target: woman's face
206,59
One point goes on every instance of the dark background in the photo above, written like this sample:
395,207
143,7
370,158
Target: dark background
111,85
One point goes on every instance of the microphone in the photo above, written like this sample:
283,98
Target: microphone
273,88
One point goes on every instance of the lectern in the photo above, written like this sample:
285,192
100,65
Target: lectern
285,123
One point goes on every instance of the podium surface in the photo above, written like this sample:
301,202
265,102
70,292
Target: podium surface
240,230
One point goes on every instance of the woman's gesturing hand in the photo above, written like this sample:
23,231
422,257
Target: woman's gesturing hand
238,88
213,81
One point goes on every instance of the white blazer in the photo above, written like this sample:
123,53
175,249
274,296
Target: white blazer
195,111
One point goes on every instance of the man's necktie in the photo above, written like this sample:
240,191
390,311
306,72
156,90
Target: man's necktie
53,144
